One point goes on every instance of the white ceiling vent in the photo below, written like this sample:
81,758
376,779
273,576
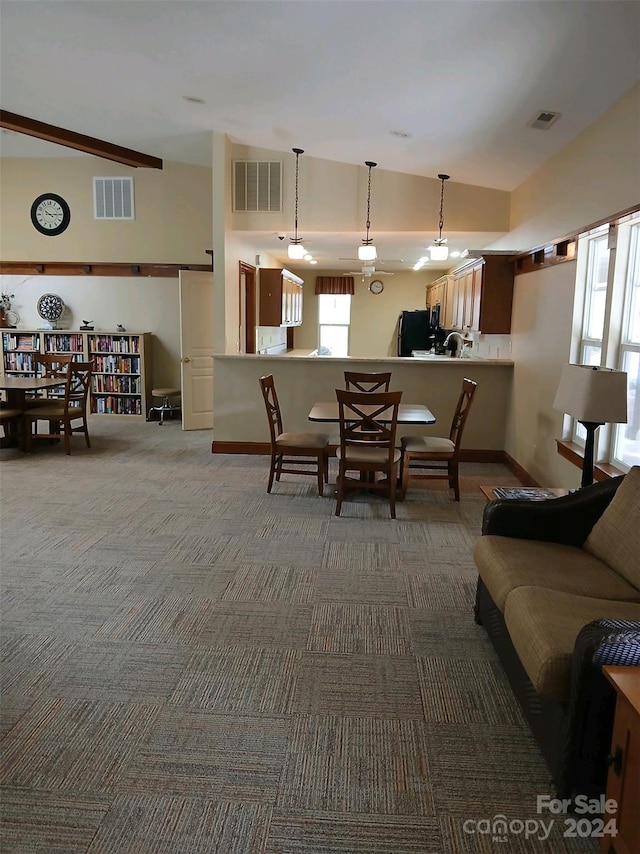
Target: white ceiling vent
543,120
257,185
113,198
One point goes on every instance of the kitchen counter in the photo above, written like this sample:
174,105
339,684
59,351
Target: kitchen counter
422,360
240,421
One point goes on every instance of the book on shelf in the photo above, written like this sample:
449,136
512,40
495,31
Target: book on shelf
528,493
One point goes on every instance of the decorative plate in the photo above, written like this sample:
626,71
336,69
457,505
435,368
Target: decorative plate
50,307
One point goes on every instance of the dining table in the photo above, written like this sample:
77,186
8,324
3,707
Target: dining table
16,389
408,413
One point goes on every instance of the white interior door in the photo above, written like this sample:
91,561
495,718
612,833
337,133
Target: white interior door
196,349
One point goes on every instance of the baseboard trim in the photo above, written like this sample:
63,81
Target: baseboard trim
516,469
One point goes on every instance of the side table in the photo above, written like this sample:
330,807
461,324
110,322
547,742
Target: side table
488,492
623,781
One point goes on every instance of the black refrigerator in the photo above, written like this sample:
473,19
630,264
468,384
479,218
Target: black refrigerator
414,329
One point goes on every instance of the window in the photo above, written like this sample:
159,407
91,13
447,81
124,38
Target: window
334,316
608,315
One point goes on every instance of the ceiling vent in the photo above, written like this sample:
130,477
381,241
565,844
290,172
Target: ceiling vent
113,198
543,120
257,185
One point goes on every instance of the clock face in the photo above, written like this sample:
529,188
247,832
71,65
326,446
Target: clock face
376,286
50,214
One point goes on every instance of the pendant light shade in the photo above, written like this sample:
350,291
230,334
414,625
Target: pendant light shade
439,251
367,252
296,250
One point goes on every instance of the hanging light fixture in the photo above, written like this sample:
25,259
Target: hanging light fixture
439,251
367,252
296,250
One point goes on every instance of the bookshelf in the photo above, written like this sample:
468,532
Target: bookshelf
121,380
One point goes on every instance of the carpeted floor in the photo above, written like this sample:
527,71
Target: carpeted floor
193,666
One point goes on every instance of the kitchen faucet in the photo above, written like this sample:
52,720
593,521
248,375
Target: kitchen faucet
457,343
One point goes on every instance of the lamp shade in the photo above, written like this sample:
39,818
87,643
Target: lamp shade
296,251
594,394
367,252
439,252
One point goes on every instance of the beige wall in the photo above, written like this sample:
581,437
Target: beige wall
172,210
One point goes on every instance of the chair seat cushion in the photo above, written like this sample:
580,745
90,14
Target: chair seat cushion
505,563
364,454
543,626
54,410
303,440
427,445
165,392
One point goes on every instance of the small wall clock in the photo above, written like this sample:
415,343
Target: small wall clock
376,286
50,214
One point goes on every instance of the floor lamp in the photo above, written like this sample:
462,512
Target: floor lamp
593,396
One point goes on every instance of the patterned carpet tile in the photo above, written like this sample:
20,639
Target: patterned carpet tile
299,528
361,629
319,832
172,620
343,529
442,592
164,825
362,556
360,586
357,765
119,671
12,708
485,770
252,583
74,745
50,822
177,580
192,753
449,633
298,551
239,679
450,692
375,685
414,559
255,624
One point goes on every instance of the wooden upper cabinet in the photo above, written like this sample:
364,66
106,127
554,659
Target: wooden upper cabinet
482,295
280,297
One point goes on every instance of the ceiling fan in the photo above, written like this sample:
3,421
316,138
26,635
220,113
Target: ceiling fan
368,270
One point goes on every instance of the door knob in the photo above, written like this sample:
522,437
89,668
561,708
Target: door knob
186,359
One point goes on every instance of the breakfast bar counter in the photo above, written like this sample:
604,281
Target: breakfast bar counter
240,421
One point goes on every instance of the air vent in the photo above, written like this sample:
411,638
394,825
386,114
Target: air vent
257,185
543,120
113,198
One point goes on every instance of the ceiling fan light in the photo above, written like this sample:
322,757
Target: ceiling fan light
308,256
367,252
296,251
439,252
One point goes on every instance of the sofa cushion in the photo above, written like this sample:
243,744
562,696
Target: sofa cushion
615,538
505,563
543,626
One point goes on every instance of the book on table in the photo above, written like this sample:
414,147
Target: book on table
528,493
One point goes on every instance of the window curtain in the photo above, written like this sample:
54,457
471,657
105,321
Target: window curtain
334,285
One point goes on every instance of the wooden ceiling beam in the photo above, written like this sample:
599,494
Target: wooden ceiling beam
71,139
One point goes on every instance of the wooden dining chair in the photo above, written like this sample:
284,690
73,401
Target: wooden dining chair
11,422
438,454
368,423
369,382
51,366
293,453
62,414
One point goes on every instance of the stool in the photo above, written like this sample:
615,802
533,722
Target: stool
166,405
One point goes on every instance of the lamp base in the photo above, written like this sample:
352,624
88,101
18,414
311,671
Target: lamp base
587,464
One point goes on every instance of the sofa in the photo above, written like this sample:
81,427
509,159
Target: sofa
559,595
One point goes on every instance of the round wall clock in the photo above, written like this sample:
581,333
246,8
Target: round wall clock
50,214
376,286
50,307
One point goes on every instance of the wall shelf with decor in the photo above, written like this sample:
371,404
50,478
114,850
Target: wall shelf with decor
121,381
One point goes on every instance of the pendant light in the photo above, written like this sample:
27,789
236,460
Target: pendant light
296,250
440,252
367,252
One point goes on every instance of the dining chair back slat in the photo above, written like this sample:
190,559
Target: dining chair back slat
367,382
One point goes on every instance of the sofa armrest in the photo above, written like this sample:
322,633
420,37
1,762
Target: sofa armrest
592,698
566,520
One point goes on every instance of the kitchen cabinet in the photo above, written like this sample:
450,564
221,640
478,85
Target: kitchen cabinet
437,294
482,295
280,297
